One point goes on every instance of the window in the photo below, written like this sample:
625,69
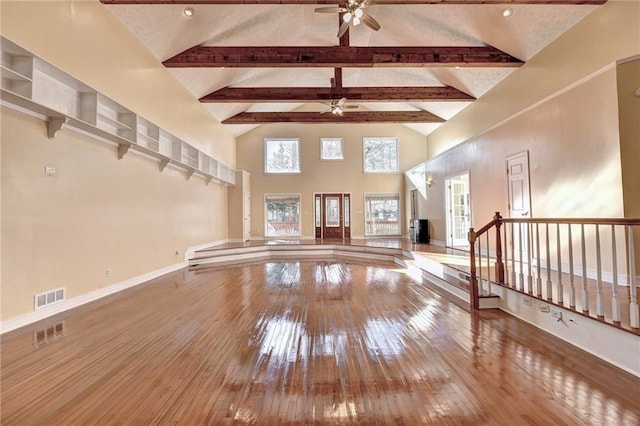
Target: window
282,215
281,156
382,214
380,155
331,149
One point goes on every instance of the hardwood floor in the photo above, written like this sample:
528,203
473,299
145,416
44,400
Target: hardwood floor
310,342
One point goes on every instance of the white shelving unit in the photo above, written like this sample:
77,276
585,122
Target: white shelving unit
31,84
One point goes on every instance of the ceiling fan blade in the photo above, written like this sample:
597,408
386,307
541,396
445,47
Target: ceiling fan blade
349,106
370,22
330,9
343,29
341,102
367,3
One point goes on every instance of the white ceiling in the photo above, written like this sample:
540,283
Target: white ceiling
166,32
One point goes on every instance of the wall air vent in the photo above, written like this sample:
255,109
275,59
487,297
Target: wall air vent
45,299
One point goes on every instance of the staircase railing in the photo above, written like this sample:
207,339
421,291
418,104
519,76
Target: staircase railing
574,263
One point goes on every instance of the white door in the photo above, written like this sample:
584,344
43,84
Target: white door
458,210
518,185
246,216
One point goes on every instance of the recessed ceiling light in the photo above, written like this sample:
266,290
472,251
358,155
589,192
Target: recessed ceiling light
188,11
507,11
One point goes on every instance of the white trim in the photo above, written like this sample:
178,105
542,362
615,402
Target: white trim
627,60
437,243
617,347
65,305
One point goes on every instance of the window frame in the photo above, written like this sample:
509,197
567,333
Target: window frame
398,196
266,213
266,158
341,140
364,154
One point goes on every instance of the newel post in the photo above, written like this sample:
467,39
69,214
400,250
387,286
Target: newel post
499,264
473,280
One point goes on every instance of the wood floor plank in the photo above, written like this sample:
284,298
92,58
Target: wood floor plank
298,343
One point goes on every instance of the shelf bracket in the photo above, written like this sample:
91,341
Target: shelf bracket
190,173
164,162
122,150
54,124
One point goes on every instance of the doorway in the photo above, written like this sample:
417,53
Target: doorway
458,210
332,215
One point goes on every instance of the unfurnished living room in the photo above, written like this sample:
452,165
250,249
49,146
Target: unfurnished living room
296,212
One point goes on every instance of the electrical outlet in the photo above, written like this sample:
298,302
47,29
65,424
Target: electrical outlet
108,272
544,308
556,314
526,301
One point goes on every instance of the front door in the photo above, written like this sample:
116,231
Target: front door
332,212
332,215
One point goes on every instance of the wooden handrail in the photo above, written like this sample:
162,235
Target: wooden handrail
527,257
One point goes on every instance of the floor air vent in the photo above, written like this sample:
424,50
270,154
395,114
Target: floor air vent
45,299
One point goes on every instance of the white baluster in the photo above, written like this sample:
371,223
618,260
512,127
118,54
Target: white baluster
513,257
488,266
615,303
559,287
599,296
479,254
633,285
505,258
521,274
572,288
529,258
538,291
549,283
585,291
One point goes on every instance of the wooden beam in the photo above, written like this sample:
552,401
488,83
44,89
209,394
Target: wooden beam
355,94
348,117
340,57
334,2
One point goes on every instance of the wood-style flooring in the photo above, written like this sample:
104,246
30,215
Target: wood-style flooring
300,343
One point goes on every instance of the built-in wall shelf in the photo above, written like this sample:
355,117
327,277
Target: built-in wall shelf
34,86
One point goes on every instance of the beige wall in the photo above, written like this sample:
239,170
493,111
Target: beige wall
96,212
574,157
610,33
629,108
325,176
85,40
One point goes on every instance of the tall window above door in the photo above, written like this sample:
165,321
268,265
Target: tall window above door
382,214
380,155
282,155
282,213
331,149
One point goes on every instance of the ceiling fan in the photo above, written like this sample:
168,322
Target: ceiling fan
337,107
353,13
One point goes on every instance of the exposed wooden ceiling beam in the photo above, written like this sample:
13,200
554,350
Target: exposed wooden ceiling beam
340,56
334,2
355,94
348,117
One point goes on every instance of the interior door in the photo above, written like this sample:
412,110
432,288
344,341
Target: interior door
459,210
332,223
518,185
246,213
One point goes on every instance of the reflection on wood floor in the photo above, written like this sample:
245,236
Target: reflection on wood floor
311,342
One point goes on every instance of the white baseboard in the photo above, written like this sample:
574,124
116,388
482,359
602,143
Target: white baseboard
74,302
437,243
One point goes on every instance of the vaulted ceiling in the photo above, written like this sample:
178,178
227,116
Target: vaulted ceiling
253,62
